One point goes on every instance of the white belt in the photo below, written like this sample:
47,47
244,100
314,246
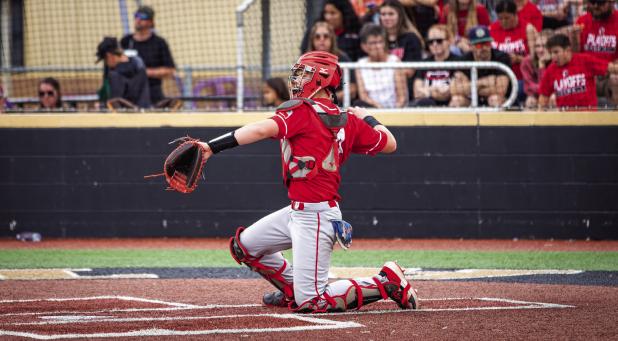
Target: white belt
313,206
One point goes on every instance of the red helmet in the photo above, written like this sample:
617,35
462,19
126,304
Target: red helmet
312,72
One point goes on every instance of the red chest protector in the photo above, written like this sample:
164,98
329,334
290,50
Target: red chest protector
304,167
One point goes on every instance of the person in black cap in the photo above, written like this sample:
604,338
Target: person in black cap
152,49
493,84
126,76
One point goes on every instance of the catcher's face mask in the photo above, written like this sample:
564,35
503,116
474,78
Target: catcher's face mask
300,77
313,72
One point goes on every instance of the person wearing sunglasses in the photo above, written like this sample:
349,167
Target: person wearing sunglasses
322,38
152,49
432,87
598,36
50,97
340,15
493,84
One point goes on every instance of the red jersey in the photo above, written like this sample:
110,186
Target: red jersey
531,14
598,37
309,137
482,16
573,83
510,41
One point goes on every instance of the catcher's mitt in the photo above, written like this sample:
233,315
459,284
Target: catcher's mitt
183,167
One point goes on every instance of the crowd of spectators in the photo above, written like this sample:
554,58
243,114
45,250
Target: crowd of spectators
512,32
562,52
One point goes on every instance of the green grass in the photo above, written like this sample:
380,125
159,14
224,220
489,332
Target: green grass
107,258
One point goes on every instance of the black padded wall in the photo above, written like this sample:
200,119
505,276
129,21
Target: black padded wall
455,182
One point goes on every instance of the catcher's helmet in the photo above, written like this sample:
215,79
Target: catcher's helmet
312,72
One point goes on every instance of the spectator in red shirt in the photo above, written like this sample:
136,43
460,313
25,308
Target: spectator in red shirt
599,37
533,67
509,34
466,14
529,13
571,76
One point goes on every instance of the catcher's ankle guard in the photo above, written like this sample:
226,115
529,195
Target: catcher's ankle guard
241,256
354,298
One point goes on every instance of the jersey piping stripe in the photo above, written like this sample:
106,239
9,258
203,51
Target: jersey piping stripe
317,245
377,144
284,124
325,106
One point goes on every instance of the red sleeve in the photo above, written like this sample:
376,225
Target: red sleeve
367,140
444,15
291,122
482,15
597,65
545,87
537,18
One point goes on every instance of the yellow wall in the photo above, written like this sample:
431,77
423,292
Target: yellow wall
199,32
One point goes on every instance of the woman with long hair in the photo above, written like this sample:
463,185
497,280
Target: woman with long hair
534,65
340,15
460,16
403,39
322,38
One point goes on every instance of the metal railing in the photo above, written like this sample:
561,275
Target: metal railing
473,66
188,72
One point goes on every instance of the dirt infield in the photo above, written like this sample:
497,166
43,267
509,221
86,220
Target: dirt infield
224,309
183,309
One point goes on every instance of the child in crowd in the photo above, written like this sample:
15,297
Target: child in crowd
274,92
571,76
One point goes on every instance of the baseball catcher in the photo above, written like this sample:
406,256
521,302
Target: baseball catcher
316,138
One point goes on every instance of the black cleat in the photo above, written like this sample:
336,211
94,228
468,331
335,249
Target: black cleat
276,299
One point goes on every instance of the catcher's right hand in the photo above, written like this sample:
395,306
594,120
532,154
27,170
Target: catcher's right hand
184,166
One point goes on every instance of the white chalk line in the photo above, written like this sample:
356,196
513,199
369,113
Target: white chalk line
183,306
321,323
167,332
